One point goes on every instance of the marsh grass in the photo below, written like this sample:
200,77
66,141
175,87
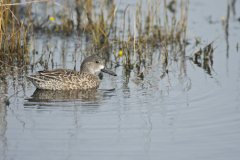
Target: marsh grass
13,37
128,36
157,28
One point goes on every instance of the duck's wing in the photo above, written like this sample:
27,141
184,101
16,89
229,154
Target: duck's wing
57,74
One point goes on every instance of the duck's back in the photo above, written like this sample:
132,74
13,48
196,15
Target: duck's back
61,79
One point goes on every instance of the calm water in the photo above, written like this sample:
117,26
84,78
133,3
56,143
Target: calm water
190,116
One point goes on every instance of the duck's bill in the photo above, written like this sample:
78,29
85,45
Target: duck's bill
109,72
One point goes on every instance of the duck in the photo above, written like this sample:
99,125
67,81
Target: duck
66,79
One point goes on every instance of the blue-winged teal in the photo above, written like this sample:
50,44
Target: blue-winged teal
62,79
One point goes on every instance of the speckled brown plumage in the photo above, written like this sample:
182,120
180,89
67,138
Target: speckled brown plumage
62,79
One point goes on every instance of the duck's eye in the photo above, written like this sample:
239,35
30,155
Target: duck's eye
97,61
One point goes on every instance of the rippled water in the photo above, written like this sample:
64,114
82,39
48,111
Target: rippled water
183,116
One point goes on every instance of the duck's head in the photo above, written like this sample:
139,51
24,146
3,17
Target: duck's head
94,65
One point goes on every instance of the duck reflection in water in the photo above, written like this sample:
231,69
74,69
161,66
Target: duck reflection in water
40,95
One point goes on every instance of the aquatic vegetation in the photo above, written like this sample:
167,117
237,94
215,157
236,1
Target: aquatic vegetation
125,36
13,37
204,58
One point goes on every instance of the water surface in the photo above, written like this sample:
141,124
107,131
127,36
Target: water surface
189,114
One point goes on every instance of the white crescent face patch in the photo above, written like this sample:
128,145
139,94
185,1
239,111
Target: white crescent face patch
101,67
